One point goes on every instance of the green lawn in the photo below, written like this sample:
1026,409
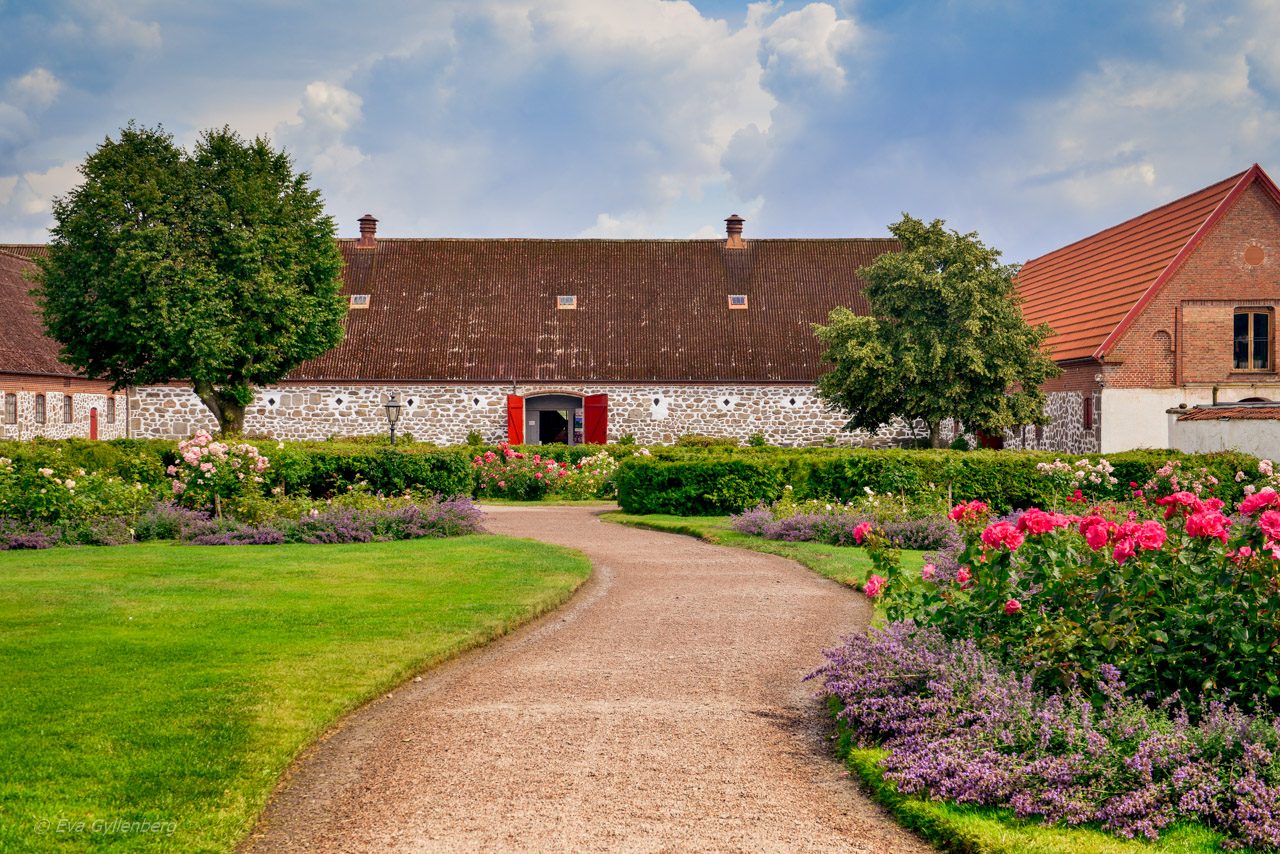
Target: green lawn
845,564
167,683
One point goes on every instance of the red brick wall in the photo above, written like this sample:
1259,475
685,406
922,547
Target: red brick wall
1184,334
45,384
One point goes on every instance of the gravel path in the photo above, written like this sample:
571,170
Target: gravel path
661,710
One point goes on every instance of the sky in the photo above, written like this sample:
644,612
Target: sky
1032,123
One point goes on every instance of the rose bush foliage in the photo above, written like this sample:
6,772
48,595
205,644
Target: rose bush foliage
1180,597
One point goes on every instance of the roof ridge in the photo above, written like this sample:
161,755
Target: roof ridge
719,240
1232,181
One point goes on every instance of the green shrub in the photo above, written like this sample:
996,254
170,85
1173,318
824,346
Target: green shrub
693,440
696,488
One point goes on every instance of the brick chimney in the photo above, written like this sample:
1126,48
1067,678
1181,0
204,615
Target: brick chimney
733,230
368,232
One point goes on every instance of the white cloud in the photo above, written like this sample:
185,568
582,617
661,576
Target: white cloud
36,89
599,117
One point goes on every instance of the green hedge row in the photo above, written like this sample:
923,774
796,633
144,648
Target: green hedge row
717,483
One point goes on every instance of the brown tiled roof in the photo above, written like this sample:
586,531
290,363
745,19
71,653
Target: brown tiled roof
1233,413
648,310
24,348
25,250
1091,290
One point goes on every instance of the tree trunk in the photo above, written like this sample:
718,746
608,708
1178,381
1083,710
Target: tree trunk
225,407
935,434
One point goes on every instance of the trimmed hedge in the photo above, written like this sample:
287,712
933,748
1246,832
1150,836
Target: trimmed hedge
714,482
696,487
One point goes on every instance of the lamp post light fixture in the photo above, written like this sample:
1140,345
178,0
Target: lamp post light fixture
393,414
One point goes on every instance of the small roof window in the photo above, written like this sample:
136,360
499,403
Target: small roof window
359,300
566,301
737,300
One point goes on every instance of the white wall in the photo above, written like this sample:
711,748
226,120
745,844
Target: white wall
1136,417
1257,437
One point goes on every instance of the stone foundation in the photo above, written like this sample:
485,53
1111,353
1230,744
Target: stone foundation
55,426
446,414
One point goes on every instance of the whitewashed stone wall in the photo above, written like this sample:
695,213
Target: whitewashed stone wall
54,426
1066,431
445,414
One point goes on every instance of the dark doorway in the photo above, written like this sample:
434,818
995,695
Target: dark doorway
552,418
553,427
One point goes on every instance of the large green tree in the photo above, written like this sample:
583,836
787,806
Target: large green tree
216,267
944,339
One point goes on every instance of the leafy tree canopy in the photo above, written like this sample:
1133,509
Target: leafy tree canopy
217,267
944,338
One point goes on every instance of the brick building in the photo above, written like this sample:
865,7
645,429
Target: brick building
39,395
1174,308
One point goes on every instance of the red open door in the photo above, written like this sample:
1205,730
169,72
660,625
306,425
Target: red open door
595,419
93,423
515,419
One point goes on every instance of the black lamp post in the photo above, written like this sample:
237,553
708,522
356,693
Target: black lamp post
393,414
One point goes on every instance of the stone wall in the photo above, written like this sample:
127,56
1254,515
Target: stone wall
446,414
55,426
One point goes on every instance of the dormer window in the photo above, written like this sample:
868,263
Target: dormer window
359,300
566,301
737,301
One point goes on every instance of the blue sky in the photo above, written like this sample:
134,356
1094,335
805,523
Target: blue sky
1032,123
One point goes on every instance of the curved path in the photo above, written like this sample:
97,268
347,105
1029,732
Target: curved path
661,710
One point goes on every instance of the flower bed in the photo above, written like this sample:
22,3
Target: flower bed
959,725
1117,666
838,525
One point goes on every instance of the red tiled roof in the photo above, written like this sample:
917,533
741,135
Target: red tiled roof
24,348
648,310
1091,290
1233,413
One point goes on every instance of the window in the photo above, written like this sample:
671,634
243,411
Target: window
111,409
68,415
737,300
10,408
359,300
566,301
1088,413
1252,341
40,414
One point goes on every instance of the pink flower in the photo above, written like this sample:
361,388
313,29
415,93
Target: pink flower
1000,534
968,510
1151,535
1076,497
1260,499
860,533
538,475
1096,531
1245,552
178,487
1209,524
928,572
1012,607
1125,549
502,484
171,470
874,586
963,576
1185,502
1269,522
1036,521
206,467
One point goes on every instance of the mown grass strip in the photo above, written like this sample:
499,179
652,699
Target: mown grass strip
174,685
845,564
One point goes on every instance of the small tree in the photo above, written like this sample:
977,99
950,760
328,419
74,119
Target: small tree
945,338
217,267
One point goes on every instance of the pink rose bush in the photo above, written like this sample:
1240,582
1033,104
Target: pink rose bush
1176,593
508,473
209,472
